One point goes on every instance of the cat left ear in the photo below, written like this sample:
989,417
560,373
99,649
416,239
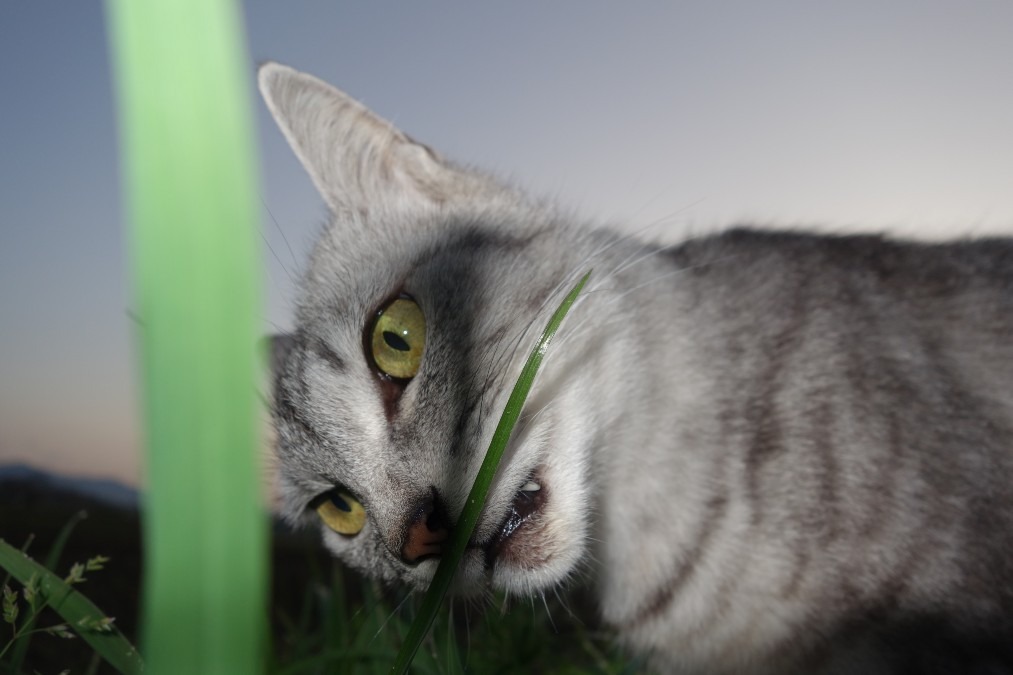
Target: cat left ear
281,346
355,158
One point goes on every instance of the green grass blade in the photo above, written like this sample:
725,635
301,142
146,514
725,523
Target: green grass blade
186,131
476,498
75,608
56,550
51,562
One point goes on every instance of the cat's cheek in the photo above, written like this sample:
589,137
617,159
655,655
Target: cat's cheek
360,553
341,547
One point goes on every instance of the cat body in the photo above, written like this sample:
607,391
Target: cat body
765,451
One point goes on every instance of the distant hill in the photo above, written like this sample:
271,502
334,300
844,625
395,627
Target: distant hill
104,490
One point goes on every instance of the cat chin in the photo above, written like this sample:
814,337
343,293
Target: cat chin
525,580
542,539
474,576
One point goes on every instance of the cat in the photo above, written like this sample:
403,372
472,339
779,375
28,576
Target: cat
764,451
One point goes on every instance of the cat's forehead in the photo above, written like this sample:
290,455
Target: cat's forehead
447,261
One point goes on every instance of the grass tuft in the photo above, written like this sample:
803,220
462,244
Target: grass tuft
42,589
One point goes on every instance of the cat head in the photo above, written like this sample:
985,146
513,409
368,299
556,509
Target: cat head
420,303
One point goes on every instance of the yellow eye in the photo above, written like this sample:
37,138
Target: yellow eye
342,512
399,335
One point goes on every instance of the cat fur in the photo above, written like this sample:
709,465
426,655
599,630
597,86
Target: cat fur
765,452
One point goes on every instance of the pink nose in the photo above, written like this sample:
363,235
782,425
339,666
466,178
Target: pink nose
426,533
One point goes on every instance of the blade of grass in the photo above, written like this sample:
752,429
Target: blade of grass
51,562
77,610
186,132
24,549
476,498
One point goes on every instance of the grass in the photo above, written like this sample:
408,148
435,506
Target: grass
43,593
360,636
325,618
43,589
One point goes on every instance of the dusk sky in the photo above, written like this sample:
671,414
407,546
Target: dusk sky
876,116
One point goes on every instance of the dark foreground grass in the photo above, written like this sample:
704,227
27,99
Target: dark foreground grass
323,617
348,625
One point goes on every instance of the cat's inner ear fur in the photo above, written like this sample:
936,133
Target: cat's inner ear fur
355,158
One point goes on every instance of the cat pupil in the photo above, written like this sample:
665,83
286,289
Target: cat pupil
395,341
340,503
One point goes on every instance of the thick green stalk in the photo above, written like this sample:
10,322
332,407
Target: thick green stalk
186,133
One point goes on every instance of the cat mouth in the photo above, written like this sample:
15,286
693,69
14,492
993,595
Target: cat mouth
514,535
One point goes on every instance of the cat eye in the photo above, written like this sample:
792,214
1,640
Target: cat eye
341,512
398,338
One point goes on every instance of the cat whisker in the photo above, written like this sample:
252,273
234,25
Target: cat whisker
529,420
548,612
635,235
610,243
636,261
569,331
510,350
492,373
559,599
281,231
585,571
390,616
276,327
467,636
359,611
496,372
630,261
636,257
273,253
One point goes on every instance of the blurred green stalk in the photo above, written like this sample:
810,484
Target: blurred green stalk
189,172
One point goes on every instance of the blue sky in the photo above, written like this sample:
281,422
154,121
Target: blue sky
863,115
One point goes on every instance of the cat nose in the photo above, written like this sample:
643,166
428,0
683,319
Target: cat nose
427,530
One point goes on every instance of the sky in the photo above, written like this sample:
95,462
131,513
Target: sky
872,116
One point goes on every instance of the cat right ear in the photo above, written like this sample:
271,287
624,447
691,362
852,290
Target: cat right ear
355,158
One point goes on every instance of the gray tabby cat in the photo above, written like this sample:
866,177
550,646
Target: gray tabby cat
766,452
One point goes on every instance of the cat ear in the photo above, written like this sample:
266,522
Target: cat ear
281,346
353,156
